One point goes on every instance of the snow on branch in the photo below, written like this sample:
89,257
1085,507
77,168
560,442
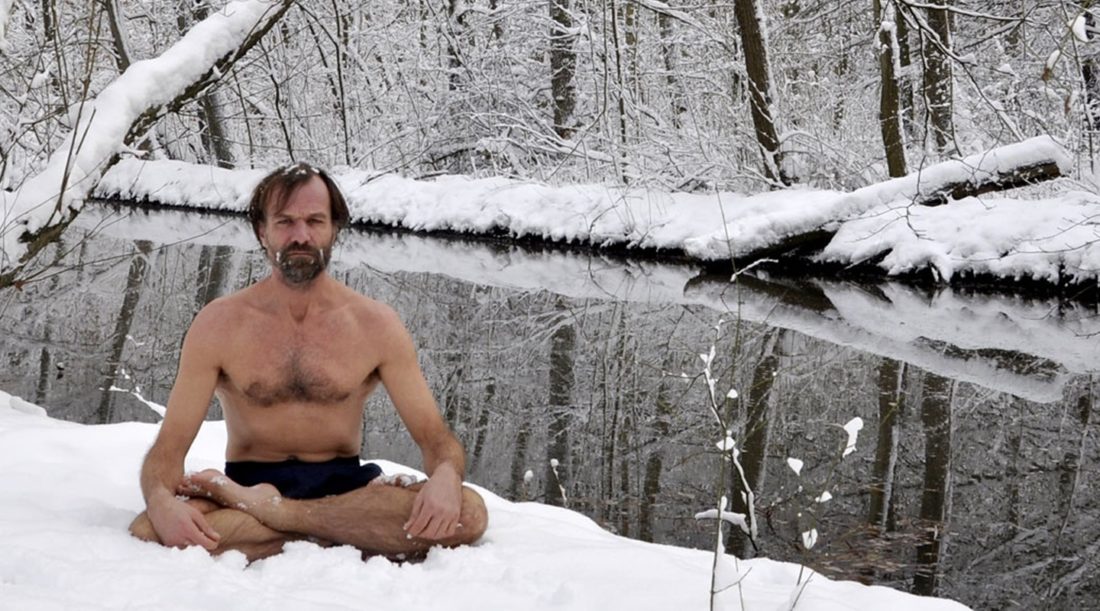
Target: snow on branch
37,212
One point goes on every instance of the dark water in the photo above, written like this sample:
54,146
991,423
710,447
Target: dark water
974,475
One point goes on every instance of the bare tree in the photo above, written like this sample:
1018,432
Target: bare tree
563,66
939,86
754,45
47,203
889,113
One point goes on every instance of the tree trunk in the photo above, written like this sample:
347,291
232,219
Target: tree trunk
131,296
905,79
936,402
561,400
519,461
456,26
889,112
482,426
1090,74
749,21
620,95
669,52
891,401
755,435
938,85
651,485
49,20
563,66
43,387
212,131
118,35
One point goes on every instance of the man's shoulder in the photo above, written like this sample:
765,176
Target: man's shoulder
222,312
371,312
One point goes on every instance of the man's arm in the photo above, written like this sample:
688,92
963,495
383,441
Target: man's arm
436,510
175,522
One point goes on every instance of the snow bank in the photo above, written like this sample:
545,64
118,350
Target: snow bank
68,491
1053,240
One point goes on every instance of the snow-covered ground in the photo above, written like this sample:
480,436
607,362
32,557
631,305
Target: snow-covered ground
1054,240
68,491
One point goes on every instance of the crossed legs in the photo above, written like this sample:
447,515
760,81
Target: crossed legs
257,520
239,531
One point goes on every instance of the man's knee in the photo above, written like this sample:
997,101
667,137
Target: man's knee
142,528
474,517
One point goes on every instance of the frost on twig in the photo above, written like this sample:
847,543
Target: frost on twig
809,538
731,517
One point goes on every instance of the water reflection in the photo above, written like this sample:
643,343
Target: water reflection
971,474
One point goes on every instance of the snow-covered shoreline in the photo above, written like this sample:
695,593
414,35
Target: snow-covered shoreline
1055,240
67,492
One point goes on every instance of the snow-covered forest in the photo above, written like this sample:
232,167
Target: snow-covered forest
694,96
956,137
642,91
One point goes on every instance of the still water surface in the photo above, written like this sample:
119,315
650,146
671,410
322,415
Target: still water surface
974,475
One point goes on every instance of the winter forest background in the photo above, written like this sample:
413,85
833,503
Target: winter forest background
693,96
682,97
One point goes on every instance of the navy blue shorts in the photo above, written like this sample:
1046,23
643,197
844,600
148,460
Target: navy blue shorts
296,479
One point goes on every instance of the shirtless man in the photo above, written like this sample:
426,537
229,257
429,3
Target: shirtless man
292,359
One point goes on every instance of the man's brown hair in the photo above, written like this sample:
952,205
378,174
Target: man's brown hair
283,182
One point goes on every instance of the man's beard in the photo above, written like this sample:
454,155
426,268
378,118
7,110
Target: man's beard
301,264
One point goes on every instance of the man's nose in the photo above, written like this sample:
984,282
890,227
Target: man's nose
299,232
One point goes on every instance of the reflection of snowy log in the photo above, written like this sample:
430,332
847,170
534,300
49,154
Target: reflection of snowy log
1028,348
1025,348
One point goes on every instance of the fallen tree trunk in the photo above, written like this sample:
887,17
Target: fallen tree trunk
983,183
44,205
1007,167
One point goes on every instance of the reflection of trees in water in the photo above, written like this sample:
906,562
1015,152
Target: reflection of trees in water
756,424
525,377
562,345
135,280
936,417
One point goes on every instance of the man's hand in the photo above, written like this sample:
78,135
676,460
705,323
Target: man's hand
437,506
178,524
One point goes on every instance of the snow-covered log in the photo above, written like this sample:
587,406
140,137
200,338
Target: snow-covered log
788,230
980,183
40,209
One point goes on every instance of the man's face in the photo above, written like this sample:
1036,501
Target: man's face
298,239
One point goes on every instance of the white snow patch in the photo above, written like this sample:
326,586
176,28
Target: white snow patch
853,427
795,465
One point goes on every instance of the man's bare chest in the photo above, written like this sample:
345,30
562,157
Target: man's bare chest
275,368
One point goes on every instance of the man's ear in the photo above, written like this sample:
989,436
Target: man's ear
261,232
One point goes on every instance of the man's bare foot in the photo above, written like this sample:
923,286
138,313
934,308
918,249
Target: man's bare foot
257,500
401,480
